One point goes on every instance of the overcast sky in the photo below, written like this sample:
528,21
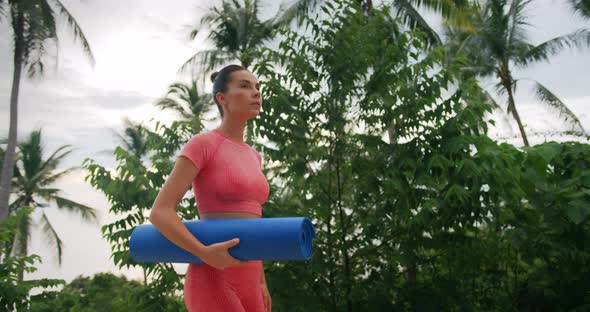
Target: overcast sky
139,46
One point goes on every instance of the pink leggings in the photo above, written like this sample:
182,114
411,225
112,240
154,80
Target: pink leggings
233,289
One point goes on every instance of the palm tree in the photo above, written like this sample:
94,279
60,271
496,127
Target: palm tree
406,10
187,102
495,41
32,186
236,33
34,29
134,138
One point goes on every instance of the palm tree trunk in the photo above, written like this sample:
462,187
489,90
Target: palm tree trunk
9,156
512,108
21,240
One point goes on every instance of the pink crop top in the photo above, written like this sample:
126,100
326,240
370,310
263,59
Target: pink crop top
230,177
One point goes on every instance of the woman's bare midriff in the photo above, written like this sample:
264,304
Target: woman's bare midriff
227,215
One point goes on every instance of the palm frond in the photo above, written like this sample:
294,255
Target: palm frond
185,100
77,31
577,39
486,97
36,170
47,193
469,46
414,19
235,31
54,177
580,7
86,213
53,161
32,153
296,11
205,61
447,8
546,96
2,10
517,21
38,30
134,138
51,236
171,104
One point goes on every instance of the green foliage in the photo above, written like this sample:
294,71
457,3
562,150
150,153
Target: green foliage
14,294
438,217
35,173
131,189
103,292
431,219
553,231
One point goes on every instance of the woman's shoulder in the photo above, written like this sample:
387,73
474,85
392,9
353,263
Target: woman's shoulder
203,141
205,137
200,148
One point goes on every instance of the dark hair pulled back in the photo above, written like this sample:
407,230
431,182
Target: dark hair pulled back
220,81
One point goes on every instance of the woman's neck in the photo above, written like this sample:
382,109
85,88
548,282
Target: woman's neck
233,130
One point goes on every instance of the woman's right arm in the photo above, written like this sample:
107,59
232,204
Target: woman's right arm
164,217
163,214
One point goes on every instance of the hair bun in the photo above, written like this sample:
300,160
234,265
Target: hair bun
213,76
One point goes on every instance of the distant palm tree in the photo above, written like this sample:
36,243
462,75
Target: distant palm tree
494,41
187,102
32,182
236,33
34,30
134,138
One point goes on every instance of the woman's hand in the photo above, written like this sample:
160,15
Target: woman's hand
266,298
217,256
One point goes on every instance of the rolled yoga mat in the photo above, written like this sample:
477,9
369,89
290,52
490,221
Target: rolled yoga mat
260,239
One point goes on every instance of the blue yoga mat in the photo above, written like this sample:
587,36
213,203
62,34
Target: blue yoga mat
260,239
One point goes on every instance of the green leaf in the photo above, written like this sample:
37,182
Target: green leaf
578,210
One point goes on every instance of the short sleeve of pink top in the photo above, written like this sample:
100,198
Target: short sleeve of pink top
230,177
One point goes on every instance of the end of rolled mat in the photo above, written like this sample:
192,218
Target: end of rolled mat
307,235
133,241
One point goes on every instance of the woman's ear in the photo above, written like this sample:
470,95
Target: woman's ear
220,99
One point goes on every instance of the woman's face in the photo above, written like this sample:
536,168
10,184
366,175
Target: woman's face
242,99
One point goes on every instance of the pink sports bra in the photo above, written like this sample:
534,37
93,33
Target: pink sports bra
230,177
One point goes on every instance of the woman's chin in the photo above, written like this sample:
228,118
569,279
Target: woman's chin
253,114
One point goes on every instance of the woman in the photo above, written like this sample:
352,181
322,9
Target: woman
228,183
